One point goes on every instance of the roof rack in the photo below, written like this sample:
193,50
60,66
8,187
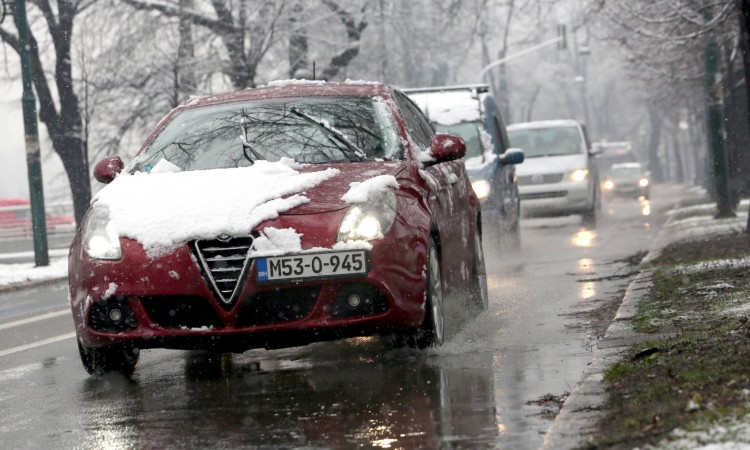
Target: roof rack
479,88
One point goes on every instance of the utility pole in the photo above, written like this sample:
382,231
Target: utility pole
383,67
33,159
715,123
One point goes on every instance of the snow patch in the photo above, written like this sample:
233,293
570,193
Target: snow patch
111,289
362,192
165,210
19,274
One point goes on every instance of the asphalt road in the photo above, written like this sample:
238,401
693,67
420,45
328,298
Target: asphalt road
472,393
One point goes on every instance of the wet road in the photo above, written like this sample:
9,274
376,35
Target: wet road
472,393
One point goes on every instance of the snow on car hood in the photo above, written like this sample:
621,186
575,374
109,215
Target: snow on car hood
328,196
165,210
552,164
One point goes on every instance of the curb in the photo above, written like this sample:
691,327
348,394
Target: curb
575,425
30,284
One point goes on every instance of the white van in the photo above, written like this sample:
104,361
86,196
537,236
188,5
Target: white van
560,174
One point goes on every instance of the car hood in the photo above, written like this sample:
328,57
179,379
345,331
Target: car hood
326,196
552,164
167,208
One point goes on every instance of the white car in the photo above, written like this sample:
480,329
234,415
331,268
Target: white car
560,175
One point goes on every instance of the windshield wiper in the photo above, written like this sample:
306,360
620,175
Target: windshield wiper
243,138
353,149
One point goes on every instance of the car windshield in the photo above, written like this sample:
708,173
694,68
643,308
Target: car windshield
554,141
470,132
625,172
309,130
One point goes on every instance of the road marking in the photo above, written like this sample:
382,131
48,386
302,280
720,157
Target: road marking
36,344
46,316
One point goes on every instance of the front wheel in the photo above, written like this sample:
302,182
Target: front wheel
589,216
432,330
115,358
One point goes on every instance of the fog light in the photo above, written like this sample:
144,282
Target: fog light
115,315
354,300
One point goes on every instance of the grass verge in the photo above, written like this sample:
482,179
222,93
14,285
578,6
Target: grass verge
696,369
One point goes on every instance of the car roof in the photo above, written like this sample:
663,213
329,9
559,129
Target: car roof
544,124
293,88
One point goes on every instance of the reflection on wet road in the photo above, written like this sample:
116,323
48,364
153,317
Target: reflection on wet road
472,393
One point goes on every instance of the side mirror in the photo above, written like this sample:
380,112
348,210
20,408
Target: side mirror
512,156
446,147
107,169
595,151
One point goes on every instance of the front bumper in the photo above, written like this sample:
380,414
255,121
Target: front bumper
167,302
568,197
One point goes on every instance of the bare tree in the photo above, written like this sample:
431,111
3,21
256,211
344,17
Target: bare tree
60,112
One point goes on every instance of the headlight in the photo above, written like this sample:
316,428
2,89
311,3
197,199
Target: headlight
482,188
100,239
579,175
609,185
371,220
643,182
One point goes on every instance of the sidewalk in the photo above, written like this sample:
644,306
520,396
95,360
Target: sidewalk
576,424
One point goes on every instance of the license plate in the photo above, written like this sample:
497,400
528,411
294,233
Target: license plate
313,266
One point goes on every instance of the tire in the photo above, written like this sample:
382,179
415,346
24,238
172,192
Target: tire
512,239
479,293
116,358
588,217
431,333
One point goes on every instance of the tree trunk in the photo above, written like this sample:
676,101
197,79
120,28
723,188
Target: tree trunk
654,164
298,46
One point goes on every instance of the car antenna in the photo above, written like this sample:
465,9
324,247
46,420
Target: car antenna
313,70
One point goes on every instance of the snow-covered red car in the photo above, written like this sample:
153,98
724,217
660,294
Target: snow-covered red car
274,217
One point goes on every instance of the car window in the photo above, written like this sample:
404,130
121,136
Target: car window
419,128
212,137
552,141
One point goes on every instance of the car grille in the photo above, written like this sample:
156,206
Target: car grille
547,178
225,263
538,195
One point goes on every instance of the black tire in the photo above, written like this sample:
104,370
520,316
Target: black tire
479,293
431,333
512,239
589,217
116,358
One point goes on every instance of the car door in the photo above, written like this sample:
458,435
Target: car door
449,200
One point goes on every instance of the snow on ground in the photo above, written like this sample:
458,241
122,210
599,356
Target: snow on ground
683,226
22,274
730,434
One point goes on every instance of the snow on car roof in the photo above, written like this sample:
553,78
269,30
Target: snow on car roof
165,210
543,124
449,107
292,88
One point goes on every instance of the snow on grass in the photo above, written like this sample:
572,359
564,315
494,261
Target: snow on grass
165,210
729,434
12,275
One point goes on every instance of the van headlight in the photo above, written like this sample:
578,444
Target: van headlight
579,175
482,188
370,220
100,239
643,182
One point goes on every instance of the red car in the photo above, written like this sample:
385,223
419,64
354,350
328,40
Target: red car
276,217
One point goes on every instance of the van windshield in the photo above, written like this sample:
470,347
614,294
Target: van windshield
554,141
